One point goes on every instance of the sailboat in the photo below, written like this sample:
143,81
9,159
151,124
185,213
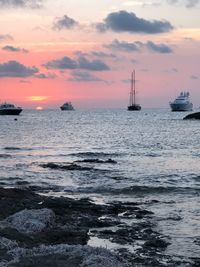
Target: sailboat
133,105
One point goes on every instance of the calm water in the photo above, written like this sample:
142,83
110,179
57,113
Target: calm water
157,155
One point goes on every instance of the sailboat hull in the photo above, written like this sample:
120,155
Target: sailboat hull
134,107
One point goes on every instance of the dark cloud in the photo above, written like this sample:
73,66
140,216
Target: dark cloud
15,69
94,65
103,54
64,22
62,64
14,49
21,3
45,76
159,48
81,63
124,21
123,46
172,70
5,37
83,76
137,46
187,3
98,54
194,77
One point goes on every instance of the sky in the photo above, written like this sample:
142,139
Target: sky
84,51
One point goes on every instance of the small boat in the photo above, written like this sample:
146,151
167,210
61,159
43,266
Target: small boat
133,105
182,103
67,106
9,109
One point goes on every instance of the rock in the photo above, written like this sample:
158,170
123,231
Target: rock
195,115
65,167
111,161
30,221
65,256
156,243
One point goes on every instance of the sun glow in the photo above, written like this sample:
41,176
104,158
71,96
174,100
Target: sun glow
39,108
37,98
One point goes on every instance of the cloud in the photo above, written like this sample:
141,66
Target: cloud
123,21
97,54
81,63
62,64
159,48
187,3
5,37
102,54
94,65
123,46
137,47
14,49
84,76
45,76
14,69
21,3
194,77
64,22
172,70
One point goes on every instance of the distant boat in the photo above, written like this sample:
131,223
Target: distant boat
67,106
133,105
182,103
9,109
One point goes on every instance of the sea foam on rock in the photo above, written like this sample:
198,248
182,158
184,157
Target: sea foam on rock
30,221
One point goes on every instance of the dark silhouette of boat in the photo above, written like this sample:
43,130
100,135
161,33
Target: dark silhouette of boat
67,106
133,106
9,109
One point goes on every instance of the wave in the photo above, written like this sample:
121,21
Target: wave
95,154
16,148
5,156
136,190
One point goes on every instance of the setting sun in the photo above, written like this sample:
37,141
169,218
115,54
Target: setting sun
39,108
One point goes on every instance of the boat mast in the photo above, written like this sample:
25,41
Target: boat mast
134,86
132,93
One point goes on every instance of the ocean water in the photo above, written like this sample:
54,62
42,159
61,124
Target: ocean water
155,153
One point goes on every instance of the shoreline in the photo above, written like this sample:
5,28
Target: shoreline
33,226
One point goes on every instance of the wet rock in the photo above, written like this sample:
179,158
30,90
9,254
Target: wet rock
73,221
195,115
156,243
30,221
110,161
67,256
65,167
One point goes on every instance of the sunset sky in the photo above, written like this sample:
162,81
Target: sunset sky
84,51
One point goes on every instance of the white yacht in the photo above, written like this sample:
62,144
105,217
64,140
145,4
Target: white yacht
67,106
9,109
182,103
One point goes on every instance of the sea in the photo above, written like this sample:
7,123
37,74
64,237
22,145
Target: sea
154,159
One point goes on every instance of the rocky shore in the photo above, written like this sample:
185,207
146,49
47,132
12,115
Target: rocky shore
37,230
